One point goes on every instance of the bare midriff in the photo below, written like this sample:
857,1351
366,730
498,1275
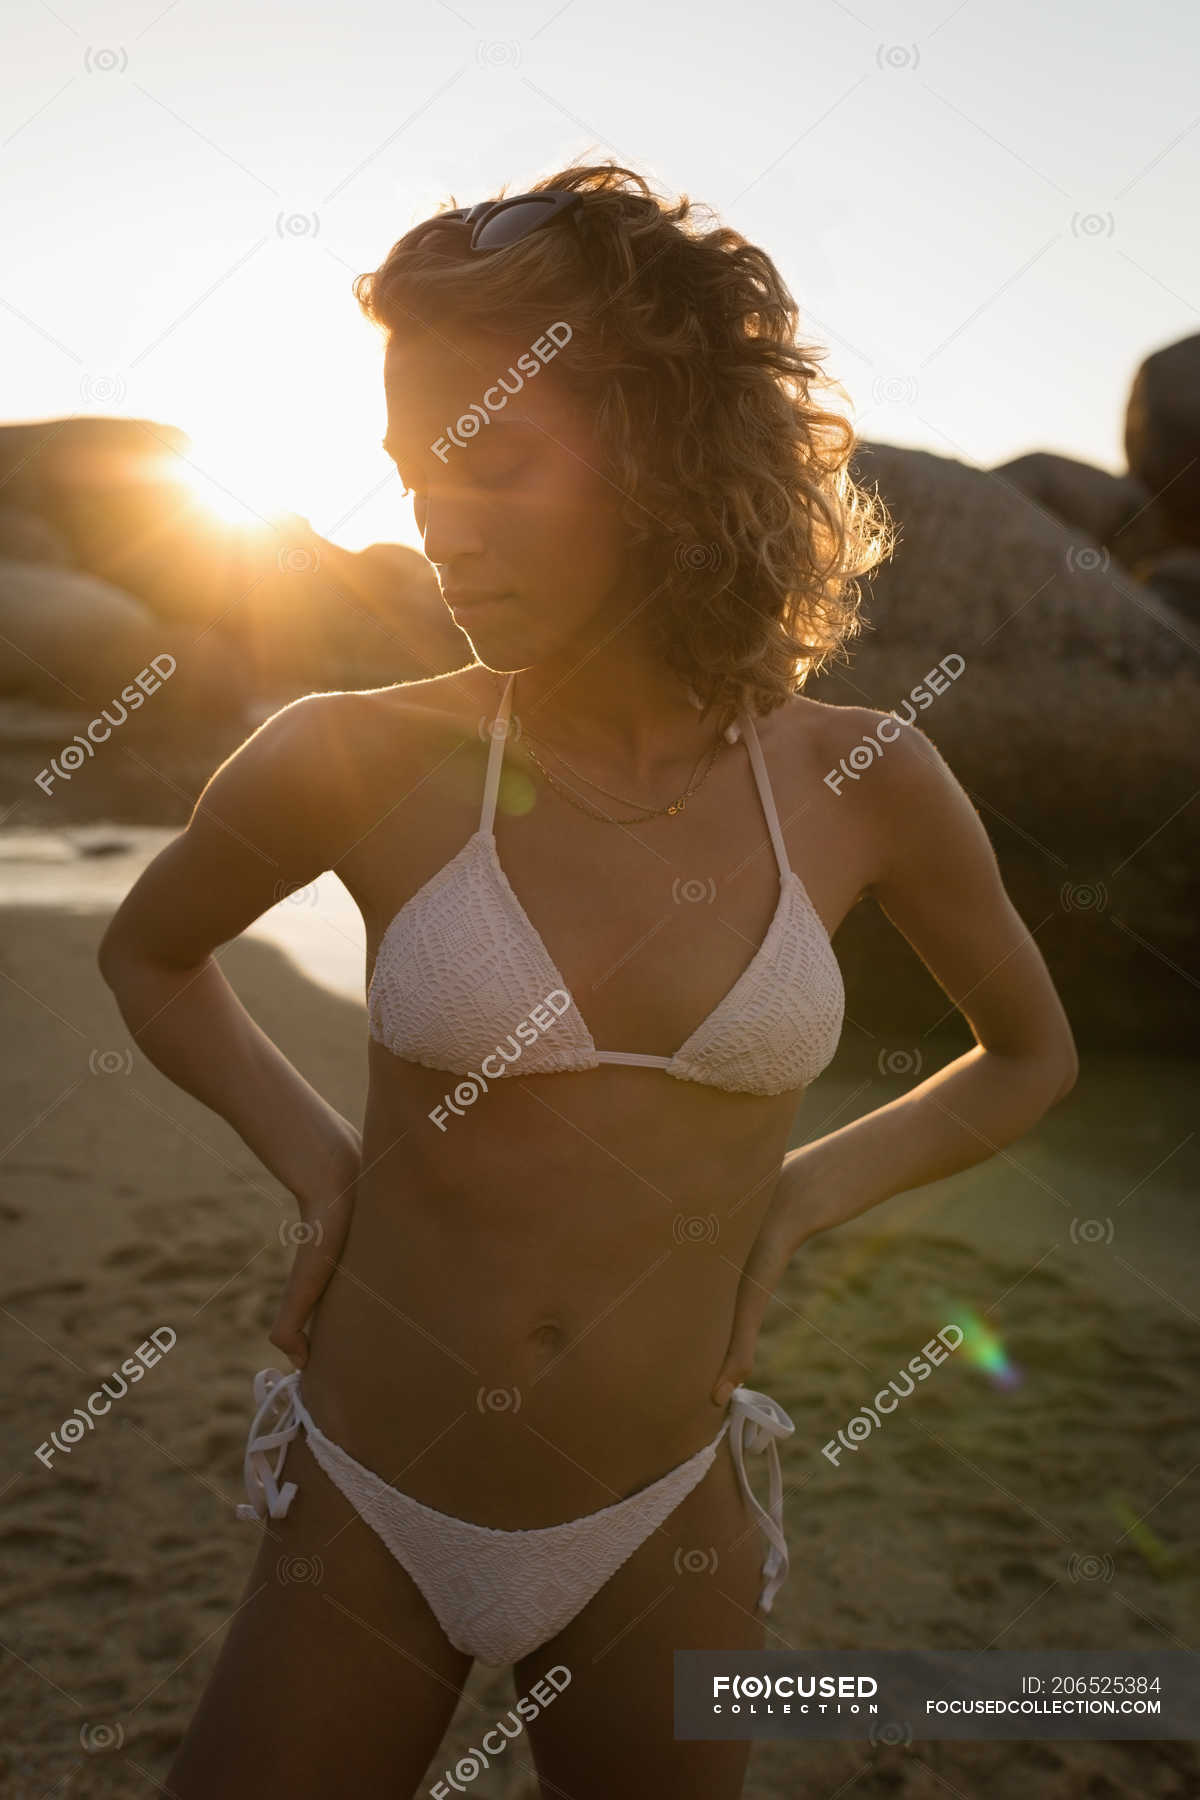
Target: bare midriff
533,1304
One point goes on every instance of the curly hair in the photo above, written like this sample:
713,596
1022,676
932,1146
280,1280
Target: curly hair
737,494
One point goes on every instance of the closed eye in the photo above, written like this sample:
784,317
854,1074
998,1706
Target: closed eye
498,477
484,478
405,488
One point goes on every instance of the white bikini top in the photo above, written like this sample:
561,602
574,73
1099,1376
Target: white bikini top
463,981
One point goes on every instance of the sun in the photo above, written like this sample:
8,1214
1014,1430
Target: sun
242,484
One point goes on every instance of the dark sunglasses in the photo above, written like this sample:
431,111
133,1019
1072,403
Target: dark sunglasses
497,223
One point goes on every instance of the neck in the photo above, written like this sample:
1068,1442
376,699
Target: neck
613,712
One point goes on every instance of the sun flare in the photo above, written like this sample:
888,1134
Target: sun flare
241,483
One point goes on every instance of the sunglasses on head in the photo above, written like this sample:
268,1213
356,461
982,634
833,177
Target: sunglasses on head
497,223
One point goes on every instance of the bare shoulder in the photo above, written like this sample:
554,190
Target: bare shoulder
923,823
463,697
321,770
934,873
856,739
453,698
839,744
889,776
340,737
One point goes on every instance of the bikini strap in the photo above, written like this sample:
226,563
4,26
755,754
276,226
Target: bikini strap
756,1422
491,784
273,1393
765,793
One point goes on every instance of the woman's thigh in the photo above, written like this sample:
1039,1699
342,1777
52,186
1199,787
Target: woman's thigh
694,1584
334,1675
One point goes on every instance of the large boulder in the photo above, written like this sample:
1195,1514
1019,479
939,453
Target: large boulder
116,492
1113,510
395,589
1072,725
26,537
1175,578
1155,506
70,641
114,495
1162,433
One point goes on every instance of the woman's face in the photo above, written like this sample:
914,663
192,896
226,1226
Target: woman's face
518,510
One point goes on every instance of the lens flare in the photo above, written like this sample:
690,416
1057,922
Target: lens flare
1161,1559
984,1349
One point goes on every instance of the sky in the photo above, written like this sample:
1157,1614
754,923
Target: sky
985,209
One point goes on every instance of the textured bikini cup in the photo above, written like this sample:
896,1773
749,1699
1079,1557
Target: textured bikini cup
462,977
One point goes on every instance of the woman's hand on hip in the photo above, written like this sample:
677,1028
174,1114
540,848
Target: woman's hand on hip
319,1236
789,1220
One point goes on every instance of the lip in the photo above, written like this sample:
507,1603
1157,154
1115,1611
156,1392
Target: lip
465,600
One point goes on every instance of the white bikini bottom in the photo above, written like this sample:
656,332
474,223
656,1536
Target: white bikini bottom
499,1594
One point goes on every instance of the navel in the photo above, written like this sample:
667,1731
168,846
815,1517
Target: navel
548,1338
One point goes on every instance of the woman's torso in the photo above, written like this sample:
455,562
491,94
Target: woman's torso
536,1294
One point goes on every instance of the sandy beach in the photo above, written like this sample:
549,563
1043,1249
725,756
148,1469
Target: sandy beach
988,1512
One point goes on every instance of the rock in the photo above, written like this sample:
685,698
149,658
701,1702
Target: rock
1072,727
1162,433
1010,584
303,613
1175,578
1114,510
396,587
71,641
1076,493
26,537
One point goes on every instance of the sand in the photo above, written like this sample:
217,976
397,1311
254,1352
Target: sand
979,1516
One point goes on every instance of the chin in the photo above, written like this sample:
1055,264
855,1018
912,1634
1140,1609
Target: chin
502,652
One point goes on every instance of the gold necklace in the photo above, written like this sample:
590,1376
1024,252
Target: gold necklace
607,792
675,806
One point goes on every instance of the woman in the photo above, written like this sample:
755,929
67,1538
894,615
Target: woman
600,868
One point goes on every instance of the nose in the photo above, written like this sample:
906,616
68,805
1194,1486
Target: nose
449,528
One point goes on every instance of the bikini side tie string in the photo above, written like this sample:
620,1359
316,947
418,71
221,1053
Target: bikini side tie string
272,1390
756,1421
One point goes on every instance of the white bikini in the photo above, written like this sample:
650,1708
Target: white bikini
459,972
461,964
496,1594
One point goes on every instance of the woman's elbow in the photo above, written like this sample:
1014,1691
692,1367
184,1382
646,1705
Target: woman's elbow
1069,1076
1047,1073
108,956
117,954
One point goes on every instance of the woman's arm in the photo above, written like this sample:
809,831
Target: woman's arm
939,883
266,823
